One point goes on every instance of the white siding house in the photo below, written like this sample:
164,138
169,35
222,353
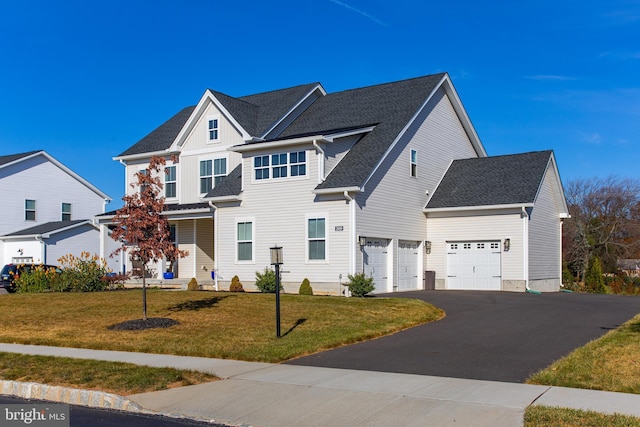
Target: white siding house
40,223
362,180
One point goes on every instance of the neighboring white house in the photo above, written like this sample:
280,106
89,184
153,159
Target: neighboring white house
353,181
47,210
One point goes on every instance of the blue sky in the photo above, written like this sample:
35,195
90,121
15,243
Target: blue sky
85,80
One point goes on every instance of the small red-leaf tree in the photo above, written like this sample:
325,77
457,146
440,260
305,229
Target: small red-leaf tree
140,225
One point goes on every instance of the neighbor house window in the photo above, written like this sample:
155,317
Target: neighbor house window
212,128
219,170
66,211
30,210
414,163
280,165
316,238
170,182
206,176
245,241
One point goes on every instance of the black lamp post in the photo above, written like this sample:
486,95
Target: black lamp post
276,259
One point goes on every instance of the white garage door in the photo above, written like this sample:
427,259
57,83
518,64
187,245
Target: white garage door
408,265
376,262
473,265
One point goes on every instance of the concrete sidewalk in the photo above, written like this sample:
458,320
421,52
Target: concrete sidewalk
262,394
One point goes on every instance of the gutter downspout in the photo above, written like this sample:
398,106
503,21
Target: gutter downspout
321,176
352,237
525,251
43,249
215,246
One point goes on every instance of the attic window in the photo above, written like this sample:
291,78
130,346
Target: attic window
212,128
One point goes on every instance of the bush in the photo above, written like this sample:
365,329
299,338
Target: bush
360,285
85,273
236,285
193,284
305,288
38,279
266,281
115,280
594,280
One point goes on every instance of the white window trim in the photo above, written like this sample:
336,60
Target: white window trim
200,160
70,213
412,163
213,175
252,220
175,182
288,166
209,139
316,215
34,210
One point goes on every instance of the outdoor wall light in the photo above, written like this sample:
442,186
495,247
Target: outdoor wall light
362,241
507,244
427,246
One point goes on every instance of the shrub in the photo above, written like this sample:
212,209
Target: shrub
236,285
593,279
360,284
193,284
115,280
38,279
266,281
85,273
616,284
305,288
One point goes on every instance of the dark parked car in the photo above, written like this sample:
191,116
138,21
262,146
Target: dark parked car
11,272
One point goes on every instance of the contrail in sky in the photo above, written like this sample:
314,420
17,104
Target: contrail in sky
373,18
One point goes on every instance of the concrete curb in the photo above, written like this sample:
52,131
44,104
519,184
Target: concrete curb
72,396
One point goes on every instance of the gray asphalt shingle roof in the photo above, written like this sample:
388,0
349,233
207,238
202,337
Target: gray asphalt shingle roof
45,228
390,106
255,113
13,157
486,181
231,185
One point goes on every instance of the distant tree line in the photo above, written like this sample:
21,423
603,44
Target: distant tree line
604,224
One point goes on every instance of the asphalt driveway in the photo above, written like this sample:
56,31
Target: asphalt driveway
499,336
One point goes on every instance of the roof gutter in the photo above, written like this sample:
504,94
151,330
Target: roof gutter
476,208
343,190
242,148
140,156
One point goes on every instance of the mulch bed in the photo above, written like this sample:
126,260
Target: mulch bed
140,324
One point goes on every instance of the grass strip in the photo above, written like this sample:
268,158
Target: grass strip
546,416
611,363
113,377
223,325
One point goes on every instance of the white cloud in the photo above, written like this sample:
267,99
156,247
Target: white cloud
365,14
591,138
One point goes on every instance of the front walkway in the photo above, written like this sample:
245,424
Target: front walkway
262,394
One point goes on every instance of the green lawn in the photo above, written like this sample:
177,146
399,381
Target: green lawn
220,325
610,363
544,416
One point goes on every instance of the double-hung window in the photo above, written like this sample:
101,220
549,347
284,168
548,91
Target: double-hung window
279,165
298,163
261,167
245,241
316,238
66,211
30,210
170,182
212,128
219,170
206,176
414,163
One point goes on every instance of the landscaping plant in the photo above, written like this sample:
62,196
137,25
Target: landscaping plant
236,285
305,288
266,281
360,284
